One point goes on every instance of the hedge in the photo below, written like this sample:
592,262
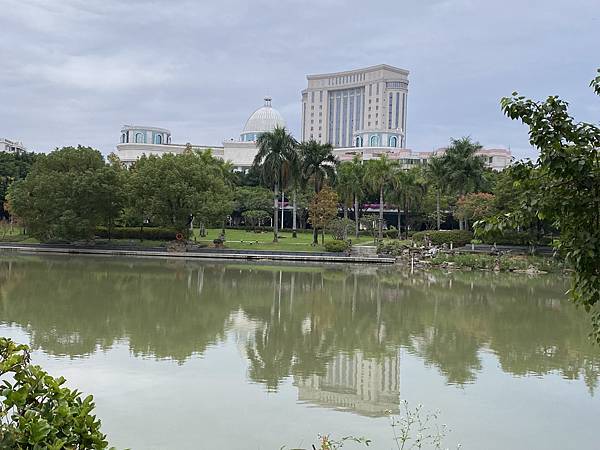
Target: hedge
516,238
457,237
150,233
336,246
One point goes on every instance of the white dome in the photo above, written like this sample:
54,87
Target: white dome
264,119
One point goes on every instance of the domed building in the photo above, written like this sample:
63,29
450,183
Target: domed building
136,140
241,153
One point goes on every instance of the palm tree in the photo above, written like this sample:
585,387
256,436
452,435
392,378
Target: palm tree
465,170
318,165
350,176
437,174
275,158
378,173
412,187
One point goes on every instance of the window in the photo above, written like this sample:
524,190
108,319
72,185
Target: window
139,138
374,141
393,141
123,137
357,141
158,139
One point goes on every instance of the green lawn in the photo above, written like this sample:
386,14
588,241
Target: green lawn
248,240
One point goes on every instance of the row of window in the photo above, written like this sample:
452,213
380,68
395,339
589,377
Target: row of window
347,79
375,142
140,138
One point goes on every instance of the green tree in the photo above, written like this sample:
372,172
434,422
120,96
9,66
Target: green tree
437,175
275,157
377,175
317,164
568,170
252,198
13,166
181,187
475,206
323,209
407,189
63,196
465,170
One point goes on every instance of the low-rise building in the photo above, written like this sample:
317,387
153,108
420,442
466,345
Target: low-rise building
143,140
6,145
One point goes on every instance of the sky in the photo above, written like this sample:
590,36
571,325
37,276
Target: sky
74,71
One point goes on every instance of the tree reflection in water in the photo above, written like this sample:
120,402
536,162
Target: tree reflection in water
324,326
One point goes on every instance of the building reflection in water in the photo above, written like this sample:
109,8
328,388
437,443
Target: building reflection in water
356,383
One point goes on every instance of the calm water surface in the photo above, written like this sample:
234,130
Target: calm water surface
206,355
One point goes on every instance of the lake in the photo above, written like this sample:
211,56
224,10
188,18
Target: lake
183,354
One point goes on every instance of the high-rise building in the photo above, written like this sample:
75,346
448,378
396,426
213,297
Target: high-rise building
356,108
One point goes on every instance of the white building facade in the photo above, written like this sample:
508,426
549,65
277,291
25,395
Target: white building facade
356,108
6,145
136,140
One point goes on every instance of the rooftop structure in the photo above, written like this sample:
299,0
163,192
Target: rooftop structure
6,145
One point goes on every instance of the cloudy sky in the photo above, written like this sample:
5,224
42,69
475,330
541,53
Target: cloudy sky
74,71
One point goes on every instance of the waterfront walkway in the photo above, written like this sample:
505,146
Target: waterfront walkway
198,253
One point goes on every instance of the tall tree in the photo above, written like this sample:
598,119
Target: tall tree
275,157
407,189
377,176
568,170
62,197
437,174
317,163
465,170
13,166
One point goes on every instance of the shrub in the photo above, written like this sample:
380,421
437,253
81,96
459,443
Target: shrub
392,248
336,246
511,237
340,229
390,234
38,411
457,237
150,233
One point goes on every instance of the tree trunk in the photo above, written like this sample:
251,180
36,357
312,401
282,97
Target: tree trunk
406,208
381,213
437,209
294,208
322,236
345,211
399,222
356,223
275,211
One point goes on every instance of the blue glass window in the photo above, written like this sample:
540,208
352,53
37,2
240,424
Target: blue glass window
139,138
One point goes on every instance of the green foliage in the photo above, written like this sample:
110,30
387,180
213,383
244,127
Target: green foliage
457,237
249,198
67,194
464,170
277,163
13,166
507,263
393,248
38,411
254,216
147,233
563,187
171,189
336,246
340,229
323,208
475,206
317,163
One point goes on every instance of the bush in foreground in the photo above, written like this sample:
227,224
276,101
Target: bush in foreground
37,411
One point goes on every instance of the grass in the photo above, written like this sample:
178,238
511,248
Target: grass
234,239
249,240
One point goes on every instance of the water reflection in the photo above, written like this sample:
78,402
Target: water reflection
337,332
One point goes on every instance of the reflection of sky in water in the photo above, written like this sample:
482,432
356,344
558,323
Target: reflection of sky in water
190,355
